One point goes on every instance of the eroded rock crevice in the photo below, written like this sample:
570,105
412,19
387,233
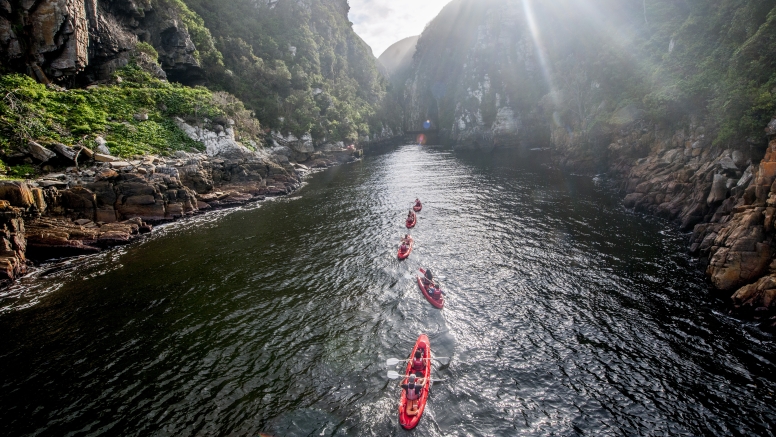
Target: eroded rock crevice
86,41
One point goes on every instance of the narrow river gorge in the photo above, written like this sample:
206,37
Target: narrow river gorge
566,315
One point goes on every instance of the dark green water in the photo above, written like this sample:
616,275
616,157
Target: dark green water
566,315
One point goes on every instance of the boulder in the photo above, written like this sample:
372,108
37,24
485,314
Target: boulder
771,129
17,194
727,163
738,158
100,157
39,152
719,189
67,152
106,174
760,295
79,202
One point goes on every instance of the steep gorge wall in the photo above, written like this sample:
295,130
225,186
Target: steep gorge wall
669,98
475,75
85,41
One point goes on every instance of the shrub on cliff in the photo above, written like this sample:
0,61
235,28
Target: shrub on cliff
298,65
135,115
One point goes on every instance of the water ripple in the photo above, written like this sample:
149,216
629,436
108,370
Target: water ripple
566,315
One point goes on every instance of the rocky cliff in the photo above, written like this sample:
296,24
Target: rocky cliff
668,98
300,66
110,201
85,41
138,145
397,59
474,75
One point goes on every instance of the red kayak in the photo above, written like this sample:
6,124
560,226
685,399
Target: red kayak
438,300
411,222
406,254
418,207
409,422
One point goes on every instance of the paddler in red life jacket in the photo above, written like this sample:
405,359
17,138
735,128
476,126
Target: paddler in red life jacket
418,363
410,216
417,202
414,388
405,243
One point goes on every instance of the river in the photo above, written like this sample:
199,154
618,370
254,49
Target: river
566,315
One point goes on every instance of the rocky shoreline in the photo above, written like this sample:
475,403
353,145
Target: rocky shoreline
85,210
726,198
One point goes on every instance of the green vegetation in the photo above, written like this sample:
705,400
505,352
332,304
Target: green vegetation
23,171
200,35
705,61
298,66
31,111
680,63
148,49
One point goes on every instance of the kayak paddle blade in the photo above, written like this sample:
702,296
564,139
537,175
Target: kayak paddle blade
392,362
393,374
443,361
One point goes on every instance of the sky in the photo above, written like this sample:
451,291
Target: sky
383,22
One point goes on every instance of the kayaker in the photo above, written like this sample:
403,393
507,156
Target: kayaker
403,248
429,276
417,202
418,363
407,239
414,388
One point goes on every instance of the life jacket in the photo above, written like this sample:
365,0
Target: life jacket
418,365
412,392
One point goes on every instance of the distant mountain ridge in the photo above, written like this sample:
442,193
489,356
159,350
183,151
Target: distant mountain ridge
398,57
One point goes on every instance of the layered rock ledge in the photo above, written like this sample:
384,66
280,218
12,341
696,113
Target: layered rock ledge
85,210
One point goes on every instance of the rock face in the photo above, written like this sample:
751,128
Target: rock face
459,82
13,243
83,211
740,237
398,57
104,205
726,197
91,39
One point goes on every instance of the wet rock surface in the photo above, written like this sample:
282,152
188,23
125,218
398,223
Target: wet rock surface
726,197
112,202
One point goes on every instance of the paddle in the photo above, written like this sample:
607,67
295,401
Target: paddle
395,375
394,361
